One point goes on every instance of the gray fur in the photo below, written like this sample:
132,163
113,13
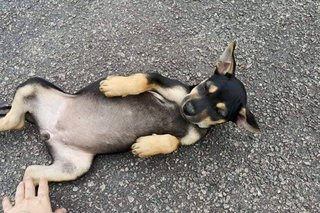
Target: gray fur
96,124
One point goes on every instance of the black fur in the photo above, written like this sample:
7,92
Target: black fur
4,110
40,81
156,78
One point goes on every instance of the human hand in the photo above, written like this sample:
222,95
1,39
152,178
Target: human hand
26,200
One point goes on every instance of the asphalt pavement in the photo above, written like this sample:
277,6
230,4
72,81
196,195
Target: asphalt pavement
72,43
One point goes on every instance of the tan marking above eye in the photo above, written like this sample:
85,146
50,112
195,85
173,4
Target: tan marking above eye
212,88
243,112
221,105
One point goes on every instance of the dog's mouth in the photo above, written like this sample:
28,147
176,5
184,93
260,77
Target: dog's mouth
196,120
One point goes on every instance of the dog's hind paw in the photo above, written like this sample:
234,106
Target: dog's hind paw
114,86
31,172
147,146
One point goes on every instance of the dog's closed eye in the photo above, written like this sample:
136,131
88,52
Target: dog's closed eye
222,112
221,109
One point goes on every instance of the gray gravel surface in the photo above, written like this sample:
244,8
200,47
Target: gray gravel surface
72,43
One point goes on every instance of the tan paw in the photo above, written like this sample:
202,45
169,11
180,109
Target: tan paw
147,146
111,86
122,86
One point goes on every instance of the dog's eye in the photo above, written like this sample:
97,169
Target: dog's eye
207,85
221,112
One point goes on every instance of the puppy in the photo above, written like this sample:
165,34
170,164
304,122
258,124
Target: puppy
148,112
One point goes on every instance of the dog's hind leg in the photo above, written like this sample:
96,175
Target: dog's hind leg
69,163
15,118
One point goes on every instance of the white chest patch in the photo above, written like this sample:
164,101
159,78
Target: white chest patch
191,137
175,94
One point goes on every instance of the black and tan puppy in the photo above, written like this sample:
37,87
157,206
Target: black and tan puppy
156,116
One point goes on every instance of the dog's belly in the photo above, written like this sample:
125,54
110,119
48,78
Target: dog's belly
104,125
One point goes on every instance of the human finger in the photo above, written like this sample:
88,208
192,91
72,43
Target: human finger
43,190
29,188
19,193
6,205
62,210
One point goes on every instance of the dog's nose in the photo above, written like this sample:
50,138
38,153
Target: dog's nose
188,109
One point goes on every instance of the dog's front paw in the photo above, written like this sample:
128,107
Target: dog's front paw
114,86
147,146
143,148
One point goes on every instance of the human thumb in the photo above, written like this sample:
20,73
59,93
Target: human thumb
62,210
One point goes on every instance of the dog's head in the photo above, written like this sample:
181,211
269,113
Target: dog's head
220,98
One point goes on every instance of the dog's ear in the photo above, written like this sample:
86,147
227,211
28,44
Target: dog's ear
246,120
226,63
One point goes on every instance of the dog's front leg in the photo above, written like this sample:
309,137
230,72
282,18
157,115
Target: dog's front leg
69,164
147,146
170,89
151,145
